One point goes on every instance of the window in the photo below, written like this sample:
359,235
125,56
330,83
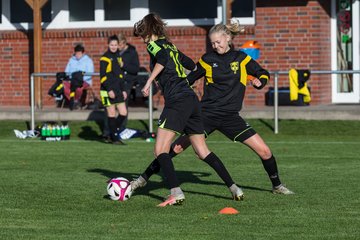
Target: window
81,10
117,10
184,9
61,14
242,8
345,45
21,12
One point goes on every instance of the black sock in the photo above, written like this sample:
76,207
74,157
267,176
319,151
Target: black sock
271,169
119,122
152,169
154,166
219,168
168,169
112,126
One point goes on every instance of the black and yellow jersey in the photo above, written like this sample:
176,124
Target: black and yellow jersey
111,74
172,78
226,79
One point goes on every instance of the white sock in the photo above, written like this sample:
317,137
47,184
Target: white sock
176,191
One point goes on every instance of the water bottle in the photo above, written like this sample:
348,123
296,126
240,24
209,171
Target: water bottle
47,130
66,132
53,130
58,132
69,132
62,132
43,132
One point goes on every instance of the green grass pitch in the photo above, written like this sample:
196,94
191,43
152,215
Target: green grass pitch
56,190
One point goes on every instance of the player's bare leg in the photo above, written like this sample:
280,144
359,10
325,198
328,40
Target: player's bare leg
257,144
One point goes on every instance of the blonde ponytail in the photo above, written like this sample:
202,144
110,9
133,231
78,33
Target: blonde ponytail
232,29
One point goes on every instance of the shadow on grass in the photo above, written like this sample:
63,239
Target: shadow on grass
183,176
267,124
88,133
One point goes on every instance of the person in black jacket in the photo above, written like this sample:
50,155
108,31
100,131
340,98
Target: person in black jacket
226,70
112,89
129,64
181,113
129,61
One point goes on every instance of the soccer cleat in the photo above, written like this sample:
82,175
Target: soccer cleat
173,200
138,183
282,190
237,193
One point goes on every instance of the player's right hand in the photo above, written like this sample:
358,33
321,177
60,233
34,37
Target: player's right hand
111,94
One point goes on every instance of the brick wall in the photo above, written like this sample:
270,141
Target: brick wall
294,35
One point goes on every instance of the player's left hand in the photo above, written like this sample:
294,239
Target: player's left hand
256,83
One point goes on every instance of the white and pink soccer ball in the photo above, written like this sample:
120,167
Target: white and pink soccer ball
119,189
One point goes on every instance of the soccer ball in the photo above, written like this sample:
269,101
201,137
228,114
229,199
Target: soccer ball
119,189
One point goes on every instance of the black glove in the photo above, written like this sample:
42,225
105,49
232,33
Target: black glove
77,79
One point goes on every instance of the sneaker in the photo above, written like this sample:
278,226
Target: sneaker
173,200
138,183
237,193
282,190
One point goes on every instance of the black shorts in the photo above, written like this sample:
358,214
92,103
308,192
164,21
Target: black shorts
106,101
232,126
182,116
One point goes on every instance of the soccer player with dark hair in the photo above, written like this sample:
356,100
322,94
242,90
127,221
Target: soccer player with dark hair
112,89
225,70
181,112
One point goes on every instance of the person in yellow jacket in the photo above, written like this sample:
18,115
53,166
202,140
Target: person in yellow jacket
298,84
112,90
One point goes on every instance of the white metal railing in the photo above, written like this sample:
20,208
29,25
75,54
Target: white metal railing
32,96
276,88
276,94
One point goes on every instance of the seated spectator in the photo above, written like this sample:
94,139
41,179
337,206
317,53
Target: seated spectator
79,62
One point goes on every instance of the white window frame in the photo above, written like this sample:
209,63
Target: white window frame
138,9
354,96
249,20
